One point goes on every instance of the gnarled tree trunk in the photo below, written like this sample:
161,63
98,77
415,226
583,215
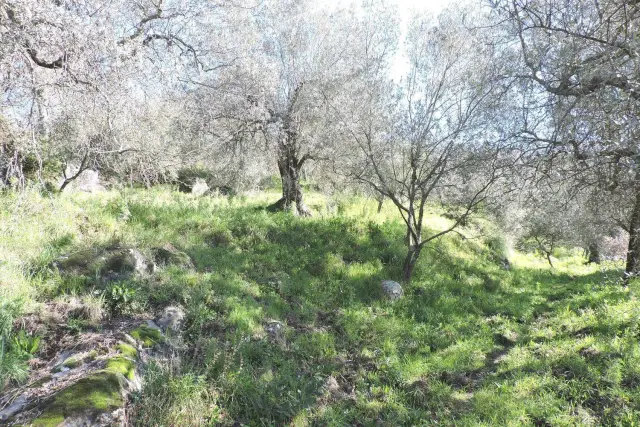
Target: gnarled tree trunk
290,167
289,161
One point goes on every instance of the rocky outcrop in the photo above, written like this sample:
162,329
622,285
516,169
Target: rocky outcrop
111,264
87,380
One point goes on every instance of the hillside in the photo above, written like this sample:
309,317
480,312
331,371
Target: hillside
285,322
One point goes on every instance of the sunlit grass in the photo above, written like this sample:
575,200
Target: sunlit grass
469,344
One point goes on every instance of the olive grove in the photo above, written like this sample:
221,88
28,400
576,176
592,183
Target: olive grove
497,104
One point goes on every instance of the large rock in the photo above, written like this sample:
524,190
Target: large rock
392,290
88,181
126,263
200,187
87,382
111,264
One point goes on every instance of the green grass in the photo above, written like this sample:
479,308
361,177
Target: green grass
469,344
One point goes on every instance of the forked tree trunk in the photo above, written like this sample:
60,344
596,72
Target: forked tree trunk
290,167
633,251
414,247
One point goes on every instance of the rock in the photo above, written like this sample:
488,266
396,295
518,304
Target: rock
171,318
152,325
111,264
124,263
392,290
84,401
16,406
507,338
169,255
200,187
88,181
276,331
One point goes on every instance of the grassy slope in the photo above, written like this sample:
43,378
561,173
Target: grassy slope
470,344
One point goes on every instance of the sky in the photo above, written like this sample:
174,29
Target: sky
405,10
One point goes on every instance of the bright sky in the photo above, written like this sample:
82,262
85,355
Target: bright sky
405,10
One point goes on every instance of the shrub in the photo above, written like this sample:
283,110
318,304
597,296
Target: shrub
119,297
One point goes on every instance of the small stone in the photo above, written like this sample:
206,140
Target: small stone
392,290
152,325
275,329
171,318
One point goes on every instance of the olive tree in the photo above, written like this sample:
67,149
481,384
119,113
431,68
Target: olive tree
582,57
64,61
431,139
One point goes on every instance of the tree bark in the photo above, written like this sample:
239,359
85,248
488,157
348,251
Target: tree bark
633,251
290,167
410,262
593,253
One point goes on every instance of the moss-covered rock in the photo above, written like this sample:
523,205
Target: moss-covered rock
122,365
109,264
147,336
72,362
98,393
169,255
127,350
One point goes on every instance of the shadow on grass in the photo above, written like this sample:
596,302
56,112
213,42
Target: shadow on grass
343,355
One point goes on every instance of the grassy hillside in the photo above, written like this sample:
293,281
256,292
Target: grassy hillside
469,344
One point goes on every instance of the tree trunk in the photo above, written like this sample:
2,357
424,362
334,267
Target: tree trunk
593,253
410,262
380,202
548,256
290,168
413,241
633,251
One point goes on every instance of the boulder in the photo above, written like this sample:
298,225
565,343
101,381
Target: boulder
88,181
125,263
392,290
111,264
200,187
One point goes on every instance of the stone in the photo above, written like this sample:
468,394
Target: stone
392,290
169,255
112,264
275,330
88,181
16,406
91,396
171,318
124,263
200,187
